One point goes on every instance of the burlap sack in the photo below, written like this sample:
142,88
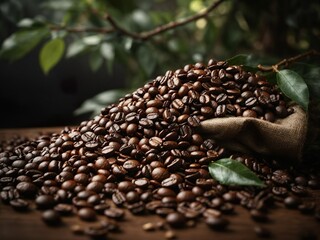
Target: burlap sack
283,138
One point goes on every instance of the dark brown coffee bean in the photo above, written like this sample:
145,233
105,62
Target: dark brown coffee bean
114,213
131,165
314,183
69,185
88,136
299,190
126,186
51,217
249,113
118,198
258,215
262,232
281,177
221,110
64,208
194,121
87,214
217,223
186,196
27,189
45,201
176,220
307,207
291,202
19,204
280,191
210,212
96,232
160,173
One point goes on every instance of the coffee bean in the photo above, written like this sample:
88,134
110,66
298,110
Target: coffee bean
27,189
64,209
186,196
51,217
45,201
217,223
291,202
160,173
19,204
87,214
118,198
114,213
262,232
176,220
258,215
96,232
194,121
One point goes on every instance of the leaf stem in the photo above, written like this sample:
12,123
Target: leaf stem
285,62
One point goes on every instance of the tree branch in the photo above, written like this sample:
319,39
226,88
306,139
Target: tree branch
288,61
115,27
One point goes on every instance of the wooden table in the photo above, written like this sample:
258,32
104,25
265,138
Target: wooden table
283,224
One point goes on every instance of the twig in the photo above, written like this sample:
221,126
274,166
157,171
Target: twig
288,61
142,35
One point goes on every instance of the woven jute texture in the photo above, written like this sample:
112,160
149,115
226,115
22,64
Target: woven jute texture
283,138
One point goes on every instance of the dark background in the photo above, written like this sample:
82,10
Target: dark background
28,98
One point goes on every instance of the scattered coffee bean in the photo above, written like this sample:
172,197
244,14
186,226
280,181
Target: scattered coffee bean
19,204
176,219
51,217
148,227
170,234
87,214
262,232
217,223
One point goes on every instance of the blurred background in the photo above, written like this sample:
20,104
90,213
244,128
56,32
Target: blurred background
96,68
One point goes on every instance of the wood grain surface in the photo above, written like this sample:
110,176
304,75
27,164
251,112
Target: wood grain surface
283,223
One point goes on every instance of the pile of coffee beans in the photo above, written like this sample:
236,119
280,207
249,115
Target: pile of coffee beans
145,154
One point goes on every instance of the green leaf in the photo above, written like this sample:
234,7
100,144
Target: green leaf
246,61
147,59
75,48
95,60
294,87
231,172
51,53
22,42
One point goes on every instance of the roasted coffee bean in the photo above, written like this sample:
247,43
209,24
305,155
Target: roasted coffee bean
118,198
314,183
194,121
217,223
291,202
176,219
45,201
186,196
19,204
160,173
51,217
258,215
27,189
262,232
114,213
87,214
96,232
307,207
64,209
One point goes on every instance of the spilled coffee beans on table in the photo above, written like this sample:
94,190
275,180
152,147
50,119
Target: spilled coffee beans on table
145,154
